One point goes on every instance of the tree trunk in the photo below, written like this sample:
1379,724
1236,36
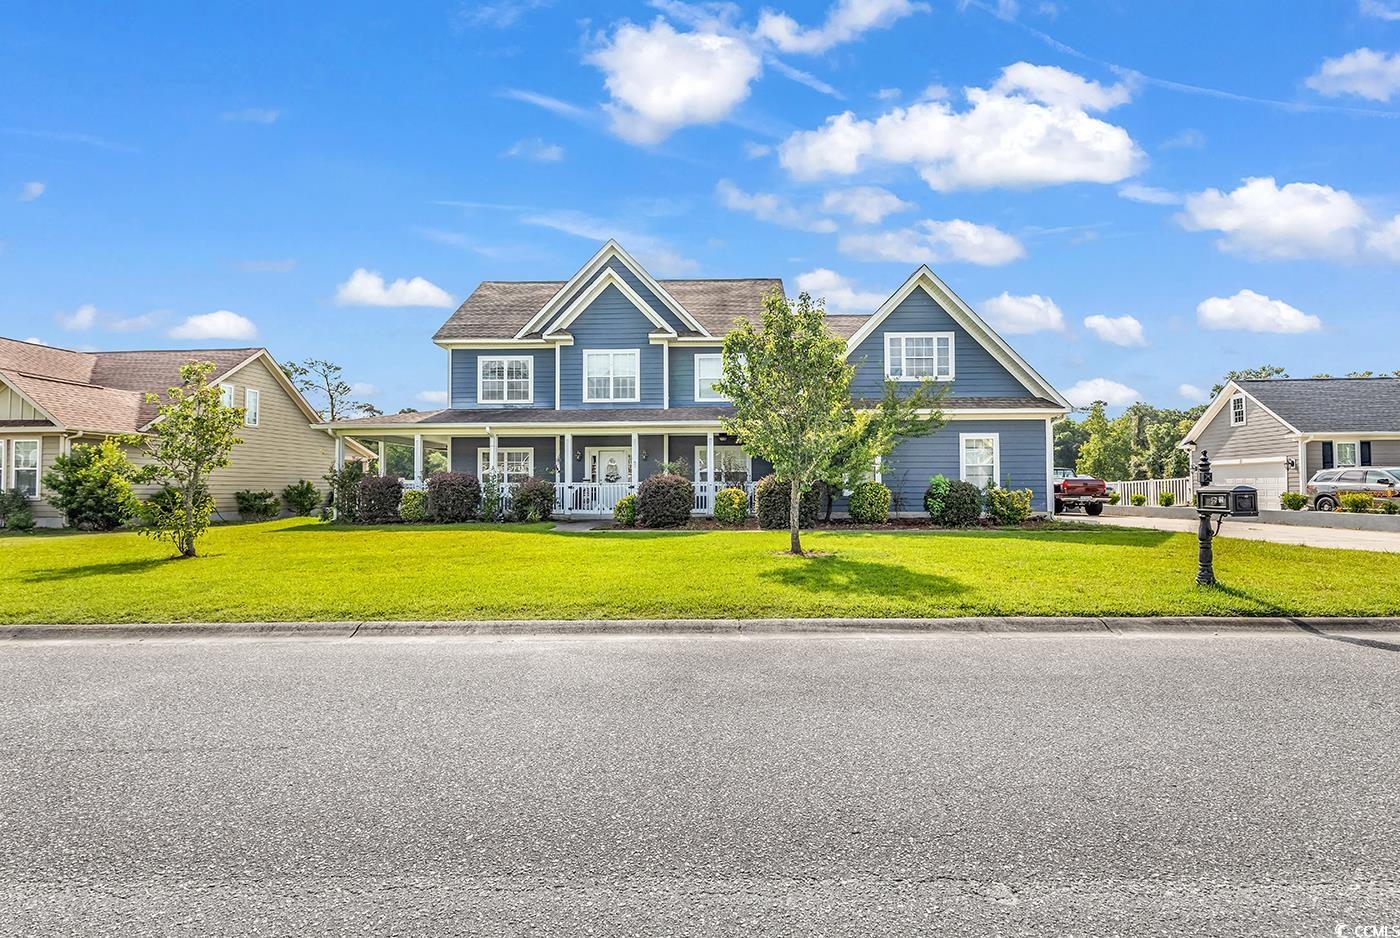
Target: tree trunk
794,516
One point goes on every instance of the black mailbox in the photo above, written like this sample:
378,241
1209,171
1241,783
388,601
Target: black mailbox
1241,501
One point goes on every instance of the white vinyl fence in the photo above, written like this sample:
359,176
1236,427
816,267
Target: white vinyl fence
1153,488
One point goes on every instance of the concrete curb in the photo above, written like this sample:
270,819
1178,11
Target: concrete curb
987,625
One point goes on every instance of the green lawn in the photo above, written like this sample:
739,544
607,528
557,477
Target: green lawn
300,569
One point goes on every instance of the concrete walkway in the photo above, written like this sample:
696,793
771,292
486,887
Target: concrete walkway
1252,531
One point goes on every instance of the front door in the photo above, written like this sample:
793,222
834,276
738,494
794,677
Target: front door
612,465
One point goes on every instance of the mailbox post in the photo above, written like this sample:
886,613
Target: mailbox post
1219,502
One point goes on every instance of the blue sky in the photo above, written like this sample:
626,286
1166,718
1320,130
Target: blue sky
1211,186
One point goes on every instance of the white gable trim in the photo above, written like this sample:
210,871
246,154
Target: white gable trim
608,278
963,315
1222,400
606,253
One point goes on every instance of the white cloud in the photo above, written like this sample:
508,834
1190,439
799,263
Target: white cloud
765,206
661,80
840,292
253,115
553,105
934,241
1117,330
1022,315
656,255
1301,219
220,324
1381,10
1192,393
756,151
35,340
1111,393
84,317
867,205
364,389
1364,73
131,323
1150,195
888,94
1030,129
1384,242
367,288
1188,139
1248,311
845,20
31,191
536,149
499,15
441,398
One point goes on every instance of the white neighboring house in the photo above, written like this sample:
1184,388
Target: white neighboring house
1274,434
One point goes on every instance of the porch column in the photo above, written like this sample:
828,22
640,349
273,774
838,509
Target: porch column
568,459
417,457
879,477
383,464
710,461
636,460
339,453
494,456
665,447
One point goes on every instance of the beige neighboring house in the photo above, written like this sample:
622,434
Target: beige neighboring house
53,398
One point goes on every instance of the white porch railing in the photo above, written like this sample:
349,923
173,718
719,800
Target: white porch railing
705,495
600,498
1152,489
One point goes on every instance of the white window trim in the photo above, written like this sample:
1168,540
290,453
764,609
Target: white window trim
38,465
1337,454
252,415
1244,411
636,357
226,394
703,449
507,359
996,454
483,458
592,452
697,357
952,353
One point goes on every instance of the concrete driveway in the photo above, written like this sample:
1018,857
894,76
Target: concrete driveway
1278,533
956,785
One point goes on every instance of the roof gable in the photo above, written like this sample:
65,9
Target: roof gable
608,279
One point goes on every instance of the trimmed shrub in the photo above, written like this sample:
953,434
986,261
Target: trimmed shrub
731,506
301,498
1166,499
1009,507
934,495
1293,501
92,487
870,503
413,506
453,497
1356,502
625,511
15,513
1389,506
1138,499
379,499
532,500
345,491
962,505
1114,497
256,506
664,501
774,497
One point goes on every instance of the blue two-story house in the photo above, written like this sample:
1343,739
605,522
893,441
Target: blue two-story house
595,382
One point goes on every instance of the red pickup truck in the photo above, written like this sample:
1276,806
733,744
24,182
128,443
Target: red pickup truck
1073,490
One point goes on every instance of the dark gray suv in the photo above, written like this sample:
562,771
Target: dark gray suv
1326,487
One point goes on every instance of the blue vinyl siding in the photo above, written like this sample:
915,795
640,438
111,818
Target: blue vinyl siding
464,366
1022,450
976,372
683,375
611,322
464,452
635,282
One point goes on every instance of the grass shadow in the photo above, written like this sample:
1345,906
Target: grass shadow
1346,639
837,574
115,568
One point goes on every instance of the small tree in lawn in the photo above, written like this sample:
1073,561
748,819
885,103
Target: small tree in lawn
193,437
790,385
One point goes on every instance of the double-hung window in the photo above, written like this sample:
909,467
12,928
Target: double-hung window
612,375
252,407
505,380
226,394
980,458
1348,453
24,467
513,464
732,464
916,356
709,368
1237,414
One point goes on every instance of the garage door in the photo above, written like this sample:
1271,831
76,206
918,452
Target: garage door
1271,479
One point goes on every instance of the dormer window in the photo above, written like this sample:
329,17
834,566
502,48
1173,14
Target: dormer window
1237,415
505,380
916,356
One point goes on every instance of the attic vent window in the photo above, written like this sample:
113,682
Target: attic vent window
1237,415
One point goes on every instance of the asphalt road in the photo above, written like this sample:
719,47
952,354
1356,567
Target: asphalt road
953,785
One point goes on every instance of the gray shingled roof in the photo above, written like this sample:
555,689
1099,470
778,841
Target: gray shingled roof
498,309
1324,405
